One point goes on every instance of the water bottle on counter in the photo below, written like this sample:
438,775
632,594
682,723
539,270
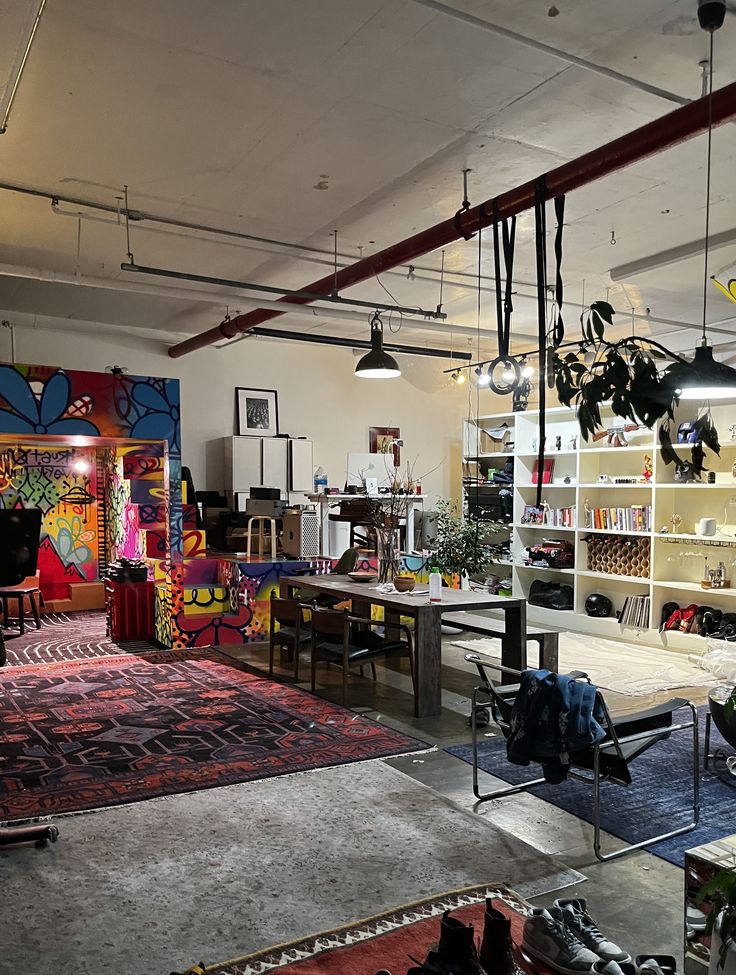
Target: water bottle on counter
320,481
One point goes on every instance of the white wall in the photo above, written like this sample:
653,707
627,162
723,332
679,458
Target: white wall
319,397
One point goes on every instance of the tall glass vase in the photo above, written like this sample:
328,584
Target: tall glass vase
388,553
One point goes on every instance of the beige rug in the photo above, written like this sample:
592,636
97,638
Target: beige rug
621,667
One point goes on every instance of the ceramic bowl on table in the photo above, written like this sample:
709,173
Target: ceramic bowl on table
363,576
404,583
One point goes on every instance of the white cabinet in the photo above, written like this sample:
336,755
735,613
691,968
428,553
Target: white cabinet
276,462
242,462
301,466
274,453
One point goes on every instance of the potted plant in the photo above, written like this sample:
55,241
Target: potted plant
461,548
720,892
628,372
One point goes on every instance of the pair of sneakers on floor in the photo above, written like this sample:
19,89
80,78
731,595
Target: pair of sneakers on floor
565,937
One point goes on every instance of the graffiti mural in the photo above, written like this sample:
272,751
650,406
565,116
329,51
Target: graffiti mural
61,482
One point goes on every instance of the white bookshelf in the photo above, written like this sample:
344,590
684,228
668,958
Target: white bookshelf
676,558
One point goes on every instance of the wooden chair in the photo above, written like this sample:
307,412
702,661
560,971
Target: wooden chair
340,637
26,592
346,563
609,761
292,632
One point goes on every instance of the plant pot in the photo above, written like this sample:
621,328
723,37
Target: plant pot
715,953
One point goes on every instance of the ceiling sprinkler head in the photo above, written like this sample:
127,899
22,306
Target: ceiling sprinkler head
711,14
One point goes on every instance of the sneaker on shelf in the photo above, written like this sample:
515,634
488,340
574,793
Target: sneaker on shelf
655,964
548,938
578,920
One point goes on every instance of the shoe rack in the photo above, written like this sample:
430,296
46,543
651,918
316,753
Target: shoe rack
666,562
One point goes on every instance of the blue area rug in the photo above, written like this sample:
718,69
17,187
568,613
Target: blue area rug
655,802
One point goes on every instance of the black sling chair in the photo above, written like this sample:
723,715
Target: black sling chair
609,761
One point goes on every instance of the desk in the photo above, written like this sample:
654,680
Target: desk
325,501
427,619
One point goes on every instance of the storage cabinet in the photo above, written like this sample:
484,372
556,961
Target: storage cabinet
277,462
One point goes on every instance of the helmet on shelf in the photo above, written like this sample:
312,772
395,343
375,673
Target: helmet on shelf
598,605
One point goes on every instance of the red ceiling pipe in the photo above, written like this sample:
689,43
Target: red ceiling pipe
654,137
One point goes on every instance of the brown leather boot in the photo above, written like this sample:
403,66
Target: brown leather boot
457,947
496,948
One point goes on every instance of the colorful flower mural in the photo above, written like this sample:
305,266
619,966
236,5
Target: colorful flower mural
45,413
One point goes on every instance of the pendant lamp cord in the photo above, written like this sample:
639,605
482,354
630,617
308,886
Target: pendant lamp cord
707,184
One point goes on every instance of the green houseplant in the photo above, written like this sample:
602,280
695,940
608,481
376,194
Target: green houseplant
721,893
461,547
628,372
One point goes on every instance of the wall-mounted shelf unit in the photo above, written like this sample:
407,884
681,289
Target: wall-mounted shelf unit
676,558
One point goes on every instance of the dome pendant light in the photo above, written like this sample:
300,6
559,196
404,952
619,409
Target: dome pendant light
704,378
377,364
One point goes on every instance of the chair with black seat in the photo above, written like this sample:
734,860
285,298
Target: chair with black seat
358,512
340,637
345,564
292,632
626,738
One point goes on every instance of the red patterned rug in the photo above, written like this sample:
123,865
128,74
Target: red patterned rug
65,636
388,941
91,733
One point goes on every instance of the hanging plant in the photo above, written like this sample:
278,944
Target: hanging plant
628,373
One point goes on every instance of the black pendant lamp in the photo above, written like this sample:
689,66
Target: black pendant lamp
377,364
703,378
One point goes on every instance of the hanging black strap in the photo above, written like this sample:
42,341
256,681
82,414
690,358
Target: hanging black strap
509,241
540,225
497,274
558,326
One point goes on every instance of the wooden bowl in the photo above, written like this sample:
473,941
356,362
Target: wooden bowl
404,583
363,576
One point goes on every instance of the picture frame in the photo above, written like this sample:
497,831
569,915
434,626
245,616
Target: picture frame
380,442
532,515
256,412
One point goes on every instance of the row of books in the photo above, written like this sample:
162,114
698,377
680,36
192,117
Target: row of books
635,612
561,517
637,518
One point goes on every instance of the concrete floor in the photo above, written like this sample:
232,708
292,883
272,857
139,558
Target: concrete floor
144,889
637,900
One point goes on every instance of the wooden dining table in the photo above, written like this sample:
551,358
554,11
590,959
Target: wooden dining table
427,618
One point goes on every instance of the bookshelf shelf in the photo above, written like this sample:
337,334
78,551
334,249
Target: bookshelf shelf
661,493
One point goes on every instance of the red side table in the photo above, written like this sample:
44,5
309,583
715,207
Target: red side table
130,610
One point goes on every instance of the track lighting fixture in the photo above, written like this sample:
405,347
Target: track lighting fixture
458,377
483,377
527,370
377,364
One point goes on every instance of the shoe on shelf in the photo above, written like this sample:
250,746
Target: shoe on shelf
655,964
548,938
457,947
575,910
687,622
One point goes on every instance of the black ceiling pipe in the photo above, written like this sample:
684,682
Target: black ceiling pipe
276,333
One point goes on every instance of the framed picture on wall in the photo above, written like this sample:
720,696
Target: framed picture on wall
256,412
381,441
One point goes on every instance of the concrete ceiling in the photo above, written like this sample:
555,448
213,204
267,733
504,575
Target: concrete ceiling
288,118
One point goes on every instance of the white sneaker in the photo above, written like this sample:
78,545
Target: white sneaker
547,937
578,920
